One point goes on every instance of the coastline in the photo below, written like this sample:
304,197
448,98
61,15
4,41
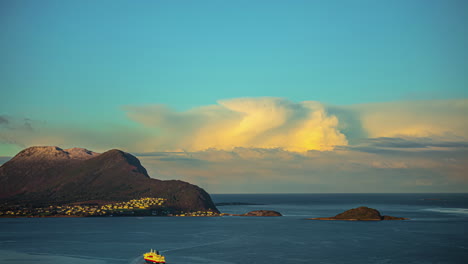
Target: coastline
102,216
43,216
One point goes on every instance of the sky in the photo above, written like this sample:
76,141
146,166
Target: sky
246,96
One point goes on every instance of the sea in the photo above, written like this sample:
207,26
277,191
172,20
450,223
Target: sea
435,233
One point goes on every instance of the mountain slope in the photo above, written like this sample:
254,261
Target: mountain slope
51,175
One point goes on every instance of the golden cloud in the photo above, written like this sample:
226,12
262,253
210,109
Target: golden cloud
264,122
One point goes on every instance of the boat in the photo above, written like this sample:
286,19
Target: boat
154,257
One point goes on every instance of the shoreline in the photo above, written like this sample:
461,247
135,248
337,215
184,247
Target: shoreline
103,216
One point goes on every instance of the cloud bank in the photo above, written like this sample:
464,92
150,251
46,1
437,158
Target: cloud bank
244,122
441,119
240,170
276,145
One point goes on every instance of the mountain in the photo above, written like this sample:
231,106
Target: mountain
50,175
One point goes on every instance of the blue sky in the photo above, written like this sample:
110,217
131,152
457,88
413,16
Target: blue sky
80,70
189,53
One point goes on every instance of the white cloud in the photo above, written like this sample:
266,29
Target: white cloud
437,119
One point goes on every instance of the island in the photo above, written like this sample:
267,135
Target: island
257,213
49,181
362,213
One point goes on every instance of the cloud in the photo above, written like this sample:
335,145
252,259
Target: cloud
409,144
261,145
11,123
276,145
411,148
275,170
270,123
436,119
19,133
243,122
3,120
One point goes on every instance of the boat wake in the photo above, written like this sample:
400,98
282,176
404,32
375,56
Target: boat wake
137,260
459,211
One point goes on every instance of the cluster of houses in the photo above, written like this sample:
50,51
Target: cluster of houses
142,206
142,203
89,210
13,213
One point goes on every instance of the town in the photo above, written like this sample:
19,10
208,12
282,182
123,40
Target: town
147,206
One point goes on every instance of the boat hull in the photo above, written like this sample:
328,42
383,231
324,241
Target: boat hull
149,261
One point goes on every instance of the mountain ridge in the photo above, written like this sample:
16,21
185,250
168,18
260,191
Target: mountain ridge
52,175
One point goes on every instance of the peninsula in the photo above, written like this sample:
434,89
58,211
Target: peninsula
50,181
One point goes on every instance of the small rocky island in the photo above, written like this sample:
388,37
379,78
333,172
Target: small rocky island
360,214
258,213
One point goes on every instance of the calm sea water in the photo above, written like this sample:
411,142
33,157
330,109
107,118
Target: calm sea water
436,233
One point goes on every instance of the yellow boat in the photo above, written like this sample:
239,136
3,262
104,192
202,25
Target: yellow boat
154,257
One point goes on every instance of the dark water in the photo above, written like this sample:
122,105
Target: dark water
436,233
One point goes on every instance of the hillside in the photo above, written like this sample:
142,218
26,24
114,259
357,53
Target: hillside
50,175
